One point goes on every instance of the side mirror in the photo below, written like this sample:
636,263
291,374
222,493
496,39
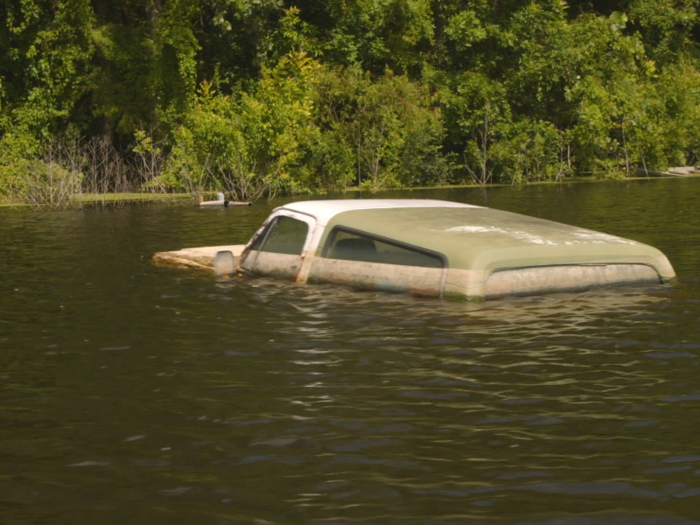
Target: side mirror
224,264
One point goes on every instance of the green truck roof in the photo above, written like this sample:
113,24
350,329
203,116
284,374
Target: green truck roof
487,239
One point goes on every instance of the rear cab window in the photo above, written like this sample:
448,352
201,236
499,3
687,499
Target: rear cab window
351,245
367,261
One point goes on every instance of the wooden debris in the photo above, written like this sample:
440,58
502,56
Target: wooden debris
679,171
222,204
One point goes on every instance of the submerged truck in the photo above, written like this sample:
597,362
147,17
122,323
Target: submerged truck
431,248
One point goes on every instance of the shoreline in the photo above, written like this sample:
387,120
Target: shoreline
148,198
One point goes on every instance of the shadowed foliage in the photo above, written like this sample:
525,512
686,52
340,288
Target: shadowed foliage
256,97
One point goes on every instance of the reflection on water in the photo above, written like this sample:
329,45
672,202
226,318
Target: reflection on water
135,394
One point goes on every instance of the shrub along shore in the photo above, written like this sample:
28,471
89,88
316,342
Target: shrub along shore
80,200
267,97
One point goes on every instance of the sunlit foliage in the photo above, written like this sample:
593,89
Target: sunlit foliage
258,97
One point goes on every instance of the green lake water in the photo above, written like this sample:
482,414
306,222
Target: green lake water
132,394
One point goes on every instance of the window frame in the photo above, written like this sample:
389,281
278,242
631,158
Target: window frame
264,231
264,237
393,242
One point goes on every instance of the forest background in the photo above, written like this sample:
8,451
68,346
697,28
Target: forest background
255,97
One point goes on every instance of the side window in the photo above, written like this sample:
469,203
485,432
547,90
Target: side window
284,235
276,252
352,245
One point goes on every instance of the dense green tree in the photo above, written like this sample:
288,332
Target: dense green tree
388,130
249,145
300,95
45,54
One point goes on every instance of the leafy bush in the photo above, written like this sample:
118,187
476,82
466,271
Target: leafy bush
317,96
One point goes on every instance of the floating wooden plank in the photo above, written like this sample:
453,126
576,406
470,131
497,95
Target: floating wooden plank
684,171
222,204
679,171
